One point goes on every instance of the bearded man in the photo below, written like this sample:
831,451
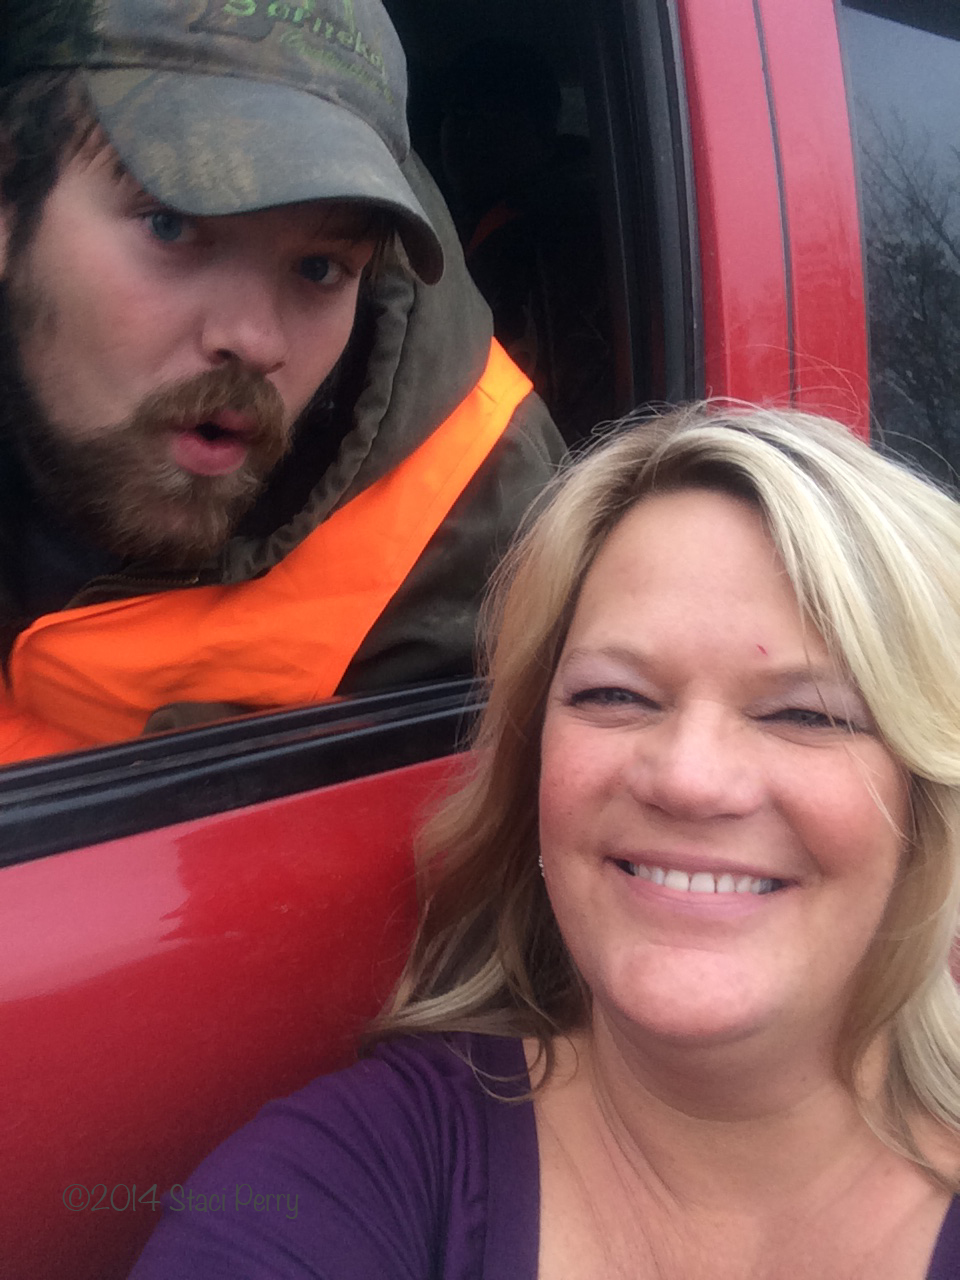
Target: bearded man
258,446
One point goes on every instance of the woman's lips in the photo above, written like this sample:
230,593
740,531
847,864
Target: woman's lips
722,894
701,881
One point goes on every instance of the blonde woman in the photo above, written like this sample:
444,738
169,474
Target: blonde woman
680,1005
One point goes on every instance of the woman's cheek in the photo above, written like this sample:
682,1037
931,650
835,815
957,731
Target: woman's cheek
567,780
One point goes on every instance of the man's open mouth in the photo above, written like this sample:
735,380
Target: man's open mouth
216,446
213,431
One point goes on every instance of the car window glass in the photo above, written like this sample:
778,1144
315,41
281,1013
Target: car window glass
903,66
499,113
574,103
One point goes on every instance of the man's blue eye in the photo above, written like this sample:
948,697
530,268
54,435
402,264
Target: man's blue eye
315,269
319,270
166,225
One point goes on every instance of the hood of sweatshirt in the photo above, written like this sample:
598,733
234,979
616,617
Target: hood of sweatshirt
418,350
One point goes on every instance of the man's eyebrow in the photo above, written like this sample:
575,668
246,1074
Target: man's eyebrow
343,230
337,236
97,149
351,222
122,176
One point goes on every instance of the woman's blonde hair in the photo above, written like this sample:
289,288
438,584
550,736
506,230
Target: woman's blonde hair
873,552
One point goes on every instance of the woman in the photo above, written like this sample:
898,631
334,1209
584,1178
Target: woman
712,1031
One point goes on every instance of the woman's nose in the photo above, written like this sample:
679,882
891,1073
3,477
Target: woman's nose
701,762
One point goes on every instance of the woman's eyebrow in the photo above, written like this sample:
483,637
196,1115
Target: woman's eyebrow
817,677
625,655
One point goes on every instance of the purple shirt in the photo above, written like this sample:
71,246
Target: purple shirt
401,1168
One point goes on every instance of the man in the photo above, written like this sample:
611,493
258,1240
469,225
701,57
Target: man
258,445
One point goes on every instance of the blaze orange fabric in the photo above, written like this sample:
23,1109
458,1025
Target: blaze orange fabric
93,675
499,216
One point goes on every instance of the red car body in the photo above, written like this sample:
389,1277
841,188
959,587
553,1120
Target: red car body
157,986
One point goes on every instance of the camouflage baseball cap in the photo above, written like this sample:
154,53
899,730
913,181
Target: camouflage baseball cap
225,106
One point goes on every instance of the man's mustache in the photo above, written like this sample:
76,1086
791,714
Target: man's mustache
230,386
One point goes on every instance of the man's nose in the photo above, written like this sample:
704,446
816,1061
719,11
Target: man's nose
701,762
243,320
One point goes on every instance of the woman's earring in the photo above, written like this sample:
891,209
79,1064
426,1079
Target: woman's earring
540,862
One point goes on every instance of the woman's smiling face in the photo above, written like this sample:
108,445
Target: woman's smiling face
720,824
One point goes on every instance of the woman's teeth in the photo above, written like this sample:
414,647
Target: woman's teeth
701,881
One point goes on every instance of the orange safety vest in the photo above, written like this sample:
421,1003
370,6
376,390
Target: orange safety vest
93,675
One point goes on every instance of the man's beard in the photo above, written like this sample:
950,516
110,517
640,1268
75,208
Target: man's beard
120,487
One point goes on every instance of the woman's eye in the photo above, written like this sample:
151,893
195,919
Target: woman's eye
167,226
321,270
810,718
609,696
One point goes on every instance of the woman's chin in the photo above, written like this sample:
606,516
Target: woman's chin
691,998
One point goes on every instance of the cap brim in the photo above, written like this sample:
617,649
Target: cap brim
213,144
